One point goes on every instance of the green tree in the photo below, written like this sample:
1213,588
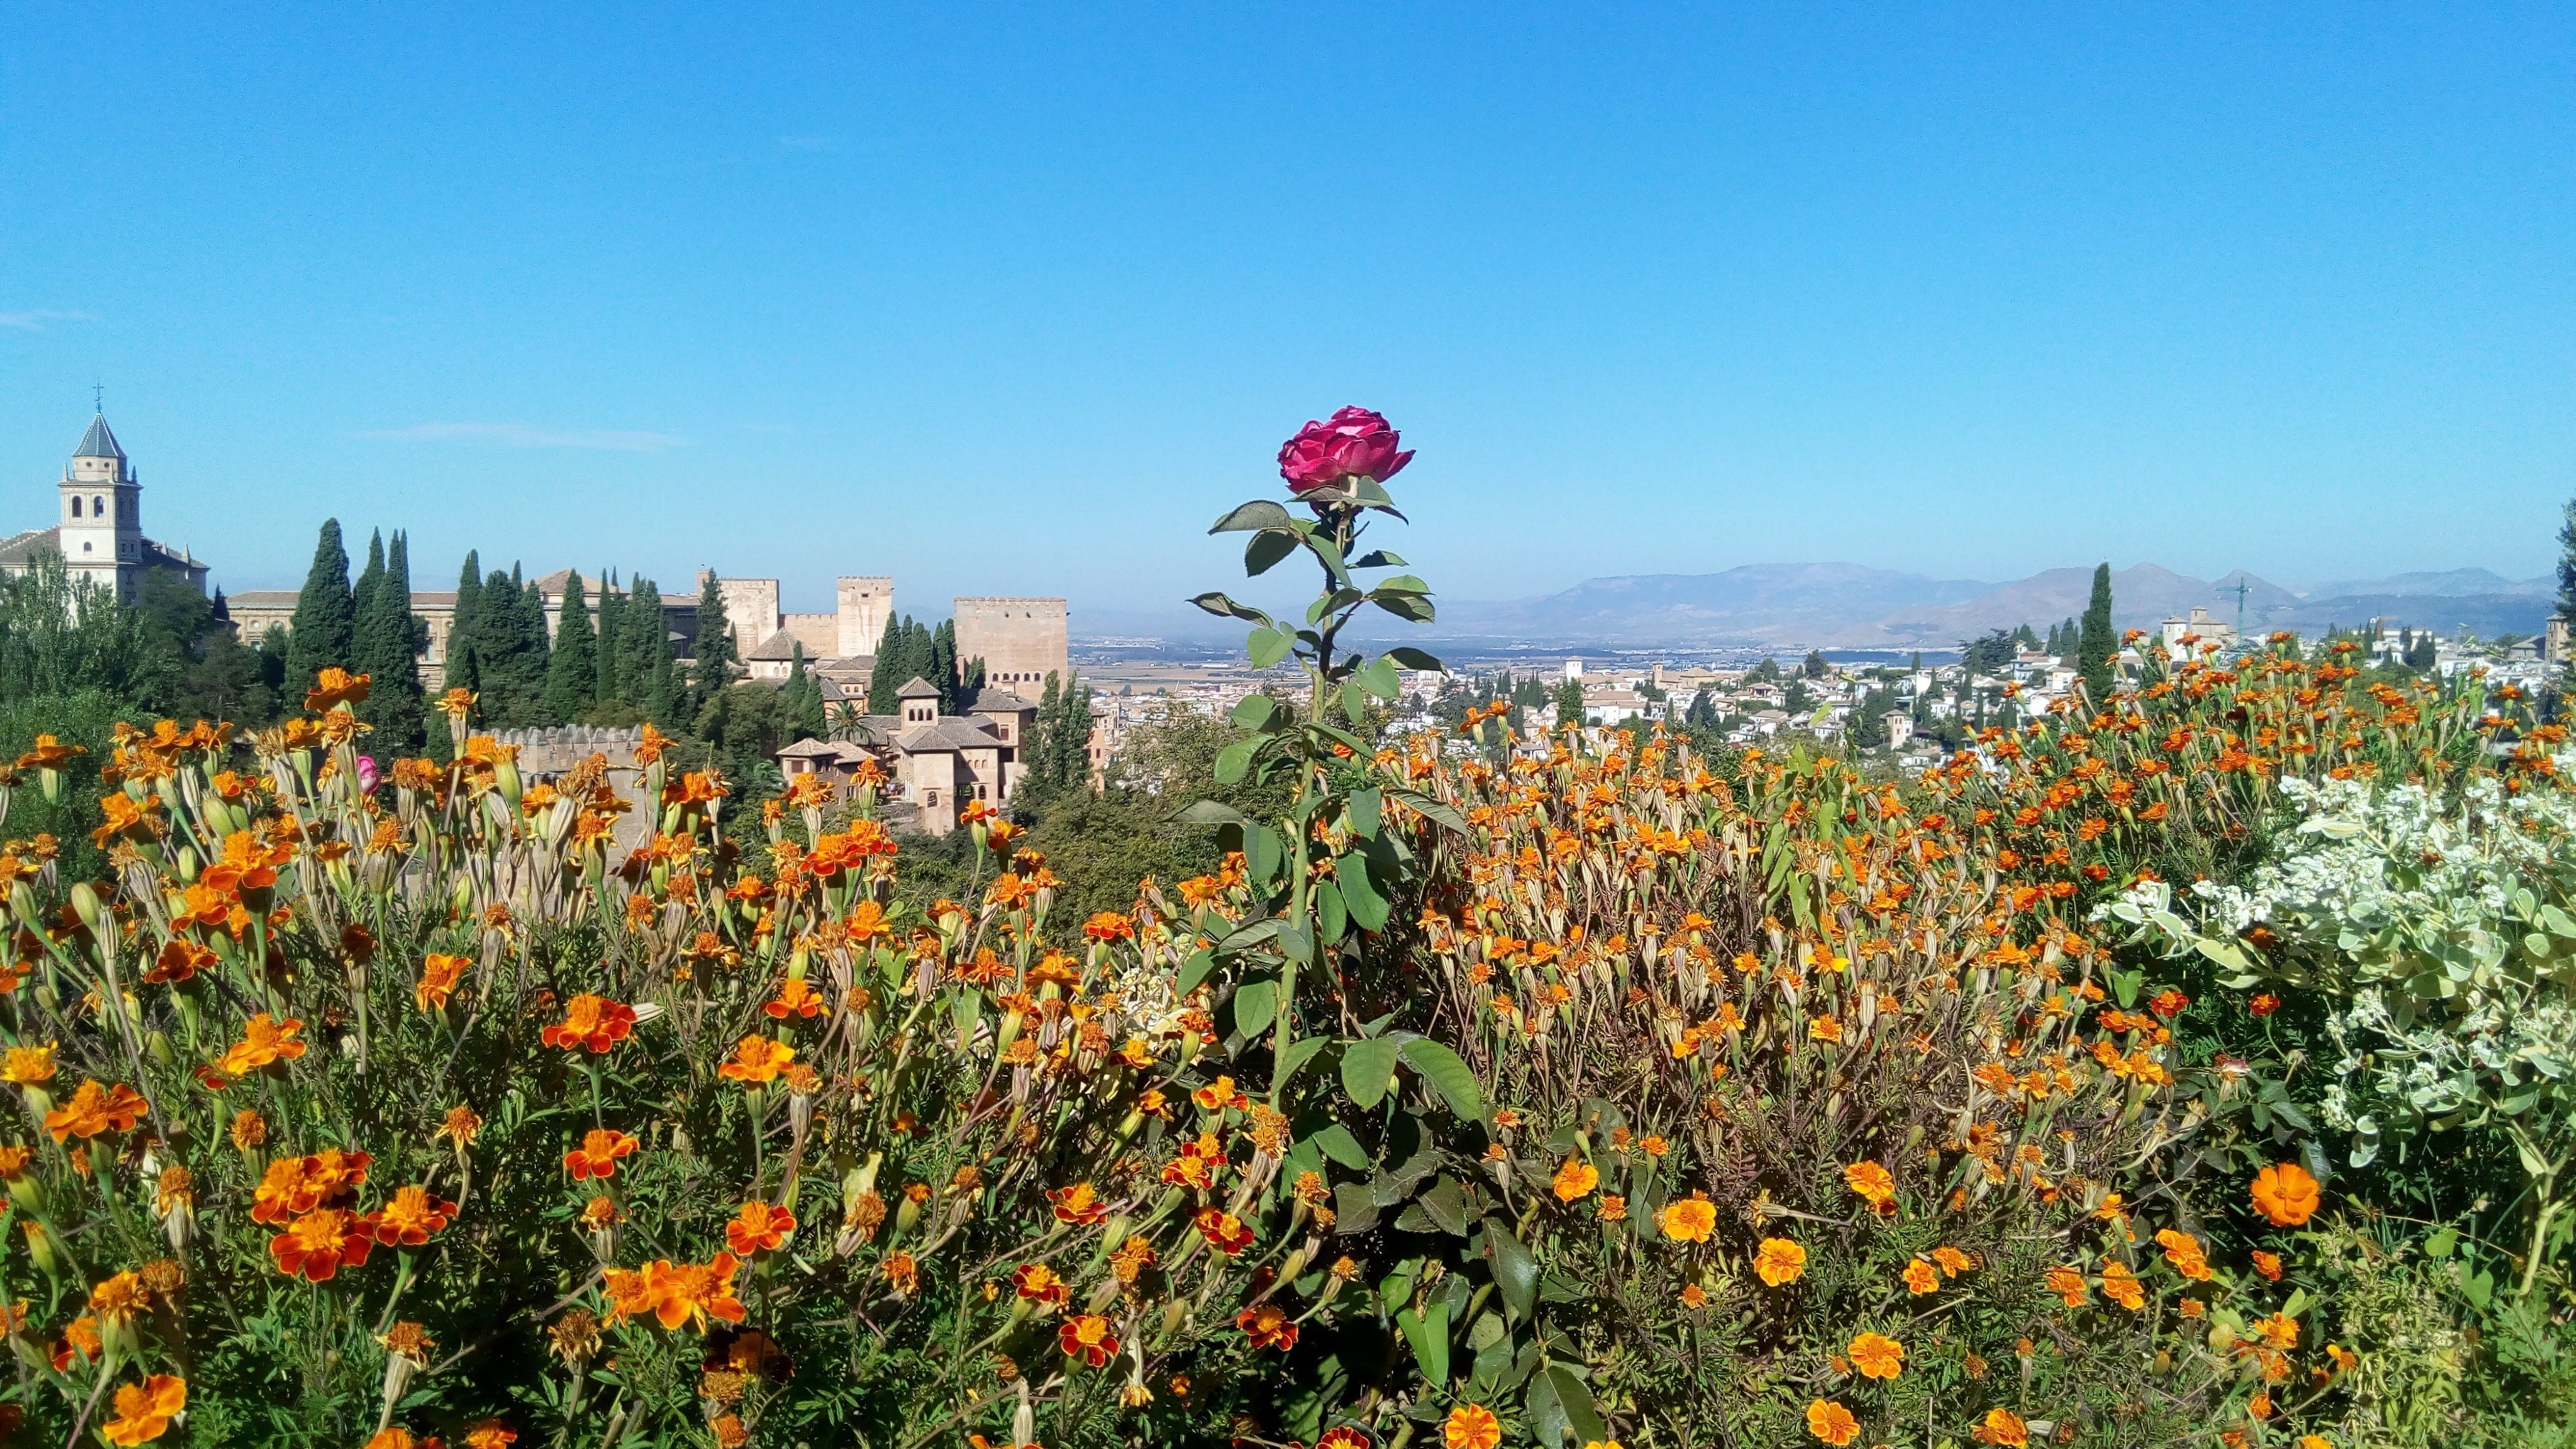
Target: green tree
462,669
572,670
883,681
943,664
1815,666
653,672
803,712
2567,562
386,645
612,687
325,618
1569,702
61,635
717,654
2096,643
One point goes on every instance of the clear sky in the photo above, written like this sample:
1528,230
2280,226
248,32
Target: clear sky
1015,299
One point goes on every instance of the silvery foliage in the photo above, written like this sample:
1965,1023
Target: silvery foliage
2438,923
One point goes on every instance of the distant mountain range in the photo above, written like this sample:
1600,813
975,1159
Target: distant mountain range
1847,606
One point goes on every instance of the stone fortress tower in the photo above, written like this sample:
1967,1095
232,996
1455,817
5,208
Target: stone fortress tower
1021,641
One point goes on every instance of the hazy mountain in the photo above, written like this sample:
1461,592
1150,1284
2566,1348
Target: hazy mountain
1847,606
1758,602
2451,583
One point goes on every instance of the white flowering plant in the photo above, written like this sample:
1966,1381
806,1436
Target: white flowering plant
2440,925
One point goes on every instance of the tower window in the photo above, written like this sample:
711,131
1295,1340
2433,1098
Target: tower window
98,507
76,505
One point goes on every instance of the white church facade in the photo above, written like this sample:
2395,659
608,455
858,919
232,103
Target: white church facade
99,528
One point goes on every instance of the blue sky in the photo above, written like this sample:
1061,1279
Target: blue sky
1015,299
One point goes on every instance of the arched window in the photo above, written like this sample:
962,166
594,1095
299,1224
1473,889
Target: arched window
98,507
76,505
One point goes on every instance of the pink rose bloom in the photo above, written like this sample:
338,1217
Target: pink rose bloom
367,776
1353,443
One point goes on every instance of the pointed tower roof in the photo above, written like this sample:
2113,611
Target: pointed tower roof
917,688
99,441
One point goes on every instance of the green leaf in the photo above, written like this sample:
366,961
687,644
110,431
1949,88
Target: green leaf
1366,807
1267,647
1542,1414
1253,711
1581,1414
1412,608
1438,812
1211,812
1443,1069
1446,1206
1264,853
1259,513
1256,1003
1377,558
1402,584
1515,1271
1235,761
1300,1052
1380,678
1338,1144
1367,904
1332,912
1195,970
1412,658
1267,548
1428,1332
1354,702
1366,1066
1217,601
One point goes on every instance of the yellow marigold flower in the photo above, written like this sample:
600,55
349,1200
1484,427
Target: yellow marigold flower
144,1411
2003,1428
1831,1422
1689,1220
2121,1286
1921,1277
1471,1426
756,1061
1877,1356
1872,1181
1952,1261
2285,1194
27,1066
1576,1179
1779,1261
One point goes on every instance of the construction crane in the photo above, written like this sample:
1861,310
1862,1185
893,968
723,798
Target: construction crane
2240,589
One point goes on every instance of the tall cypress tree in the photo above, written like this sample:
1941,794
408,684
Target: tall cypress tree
463,672
387,644
883,681
362,595
572,669
804,698
943,664
1040,747
2095,643
648,652
717,653
321,634
612,687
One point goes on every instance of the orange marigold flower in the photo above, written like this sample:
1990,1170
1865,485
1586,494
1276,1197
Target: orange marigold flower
673,1294
491,1434
759,1227
591,1021
2185,1253
1343,1437
411,1217
265,1040
1831,1422
1224,1231
94,1109
1219,1095
2003,1428
1077,1205
439,976
144,1410
2284,1194
319,1244
598,1154
1042,1285
1921,1277
1689,1220
1877,1356
2067,1283
1268,1326
756,1061
1576,1179
1779,1261
2121,1286
1471,1426
1872,1181
795,998
2267,1264
1952,1261
1087,1337
28,1066
2279,1331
